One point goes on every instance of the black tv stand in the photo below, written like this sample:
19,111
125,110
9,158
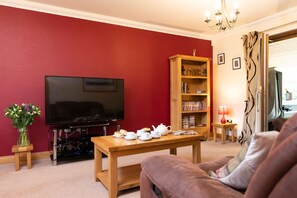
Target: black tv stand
73,143
90,125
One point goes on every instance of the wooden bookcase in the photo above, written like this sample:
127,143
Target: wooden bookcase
190,93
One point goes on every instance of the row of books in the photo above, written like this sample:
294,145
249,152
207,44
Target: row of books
194,105
185,89
188,122
192,70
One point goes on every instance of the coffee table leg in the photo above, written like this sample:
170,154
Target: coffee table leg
196,152
112,176
97,162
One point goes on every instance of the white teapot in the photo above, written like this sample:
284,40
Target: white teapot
162,129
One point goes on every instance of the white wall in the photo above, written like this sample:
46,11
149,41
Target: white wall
282,56
230,85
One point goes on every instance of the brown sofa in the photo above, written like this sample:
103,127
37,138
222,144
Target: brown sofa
170,176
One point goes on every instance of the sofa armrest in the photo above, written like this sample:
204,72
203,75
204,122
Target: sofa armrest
214,165
177,177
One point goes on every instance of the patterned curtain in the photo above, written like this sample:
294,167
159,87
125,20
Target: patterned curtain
252,58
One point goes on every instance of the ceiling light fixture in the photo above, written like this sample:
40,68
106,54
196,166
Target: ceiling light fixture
223,21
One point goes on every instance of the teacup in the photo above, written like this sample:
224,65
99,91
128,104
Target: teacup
155,134
130,135
145,136
140,132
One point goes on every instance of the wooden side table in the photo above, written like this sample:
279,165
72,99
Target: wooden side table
224,127
17,150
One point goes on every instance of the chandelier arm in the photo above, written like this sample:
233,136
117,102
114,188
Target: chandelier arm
220,24
212,26
223,2
229,25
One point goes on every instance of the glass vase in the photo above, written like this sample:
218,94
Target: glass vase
23,139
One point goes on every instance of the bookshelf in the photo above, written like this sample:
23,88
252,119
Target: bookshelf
190,93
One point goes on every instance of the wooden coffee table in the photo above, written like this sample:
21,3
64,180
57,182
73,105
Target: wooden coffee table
116,179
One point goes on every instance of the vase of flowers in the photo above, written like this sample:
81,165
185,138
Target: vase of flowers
23,137
22,116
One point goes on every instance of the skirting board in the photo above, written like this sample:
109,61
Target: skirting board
35,156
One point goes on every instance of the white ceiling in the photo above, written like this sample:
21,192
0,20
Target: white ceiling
181,15
282,55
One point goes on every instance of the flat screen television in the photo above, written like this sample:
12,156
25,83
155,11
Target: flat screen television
83,100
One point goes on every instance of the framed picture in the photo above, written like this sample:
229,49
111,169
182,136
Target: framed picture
221,58
236,64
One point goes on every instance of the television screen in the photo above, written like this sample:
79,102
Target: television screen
83,100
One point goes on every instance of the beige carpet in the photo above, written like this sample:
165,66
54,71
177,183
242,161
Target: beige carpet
76,179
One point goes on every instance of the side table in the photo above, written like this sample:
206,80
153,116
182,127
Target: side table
224,127
17,150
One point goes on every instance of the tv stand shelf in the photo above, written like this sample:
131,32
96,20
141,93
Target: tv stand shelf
73,143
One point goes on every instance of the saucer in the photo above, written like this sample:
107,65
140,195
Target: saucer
130,138
140,132
145,139
117,136
156,136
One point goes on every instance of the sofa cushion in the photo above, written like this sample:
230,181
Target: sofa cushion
214,164
276,176
228,168
238,172
177,177
278,123
288,128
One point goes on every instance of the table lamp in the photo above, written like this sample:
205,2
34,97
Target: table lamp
223,110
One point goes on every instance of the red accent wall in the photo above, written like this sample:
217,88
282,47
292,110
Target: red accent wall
34,44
